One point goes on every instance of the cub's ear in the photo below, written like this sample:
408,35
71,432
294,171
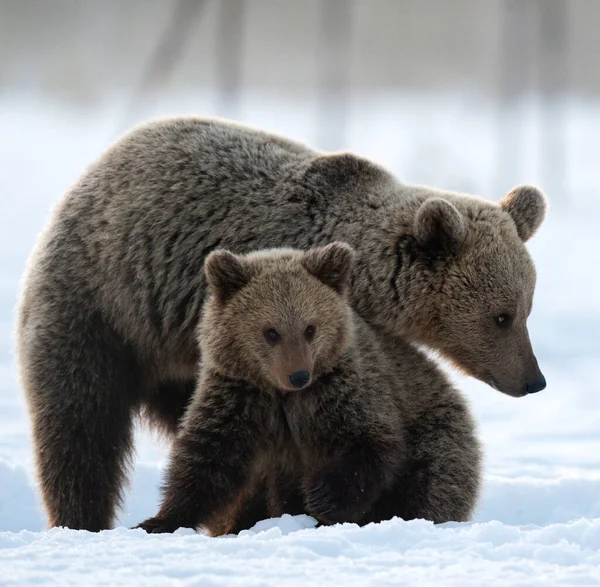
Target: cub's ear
439,226
527,207
332,265
226,273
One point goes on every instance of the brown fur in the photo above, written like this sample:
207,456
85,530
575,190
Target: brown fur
361,442
113,292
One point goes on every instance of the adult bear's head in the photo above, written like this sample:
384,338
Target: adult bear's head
470,283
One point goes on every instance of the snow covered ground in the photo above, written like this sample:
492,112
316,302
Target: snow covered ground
290,552
539,517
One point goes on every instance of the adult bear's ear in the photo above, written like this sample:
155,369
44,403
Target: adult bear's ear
226,273
337,170
439,226
332,265
527,207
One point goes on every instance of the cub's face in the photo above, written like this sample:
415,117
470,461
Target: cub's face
483,288
277,318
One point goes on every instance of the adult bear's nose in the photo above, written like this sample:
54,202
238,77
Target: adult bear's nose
299,378
535,386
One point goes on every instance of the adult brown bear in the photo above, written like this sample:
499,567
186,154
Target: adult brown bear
114,289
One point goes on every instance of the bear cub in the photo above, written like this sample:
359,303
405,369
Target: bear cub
297,403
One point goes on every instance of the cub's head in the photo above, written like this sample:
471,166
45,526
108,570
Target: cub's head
480,282
277,318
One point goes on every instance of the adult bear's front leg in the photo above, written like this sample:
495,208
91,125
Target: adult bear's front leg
212,457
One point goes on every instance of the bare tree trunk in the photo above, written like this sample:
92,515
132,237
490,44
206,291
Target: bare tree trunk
518,28
230,44
334,55
163,60
553,86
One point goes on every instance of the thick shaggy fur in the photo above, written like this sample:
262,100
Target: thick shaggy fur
368,437
113,292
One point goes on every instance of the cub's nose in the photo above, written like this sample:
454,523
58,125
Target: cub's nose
536,386
299,378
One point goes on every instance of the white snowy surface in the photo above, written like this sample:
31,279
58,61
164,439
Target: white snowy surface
538,521
289,552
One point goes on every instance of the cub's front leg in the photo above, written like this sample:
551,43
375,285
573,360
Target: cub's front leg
212,456
359,447
346,488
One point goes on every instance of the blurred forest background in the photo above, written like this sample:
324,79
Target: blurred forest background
513,62
469,95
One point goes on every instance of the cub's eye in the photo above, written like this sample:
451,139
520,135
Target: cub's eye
309,332
272,336
503,321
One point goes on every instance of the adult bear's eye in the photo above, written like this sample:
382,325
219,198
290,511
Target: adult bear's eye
309,332
272,336
503,320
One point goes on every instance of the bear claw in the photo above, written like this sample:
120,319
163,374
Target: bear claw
157,526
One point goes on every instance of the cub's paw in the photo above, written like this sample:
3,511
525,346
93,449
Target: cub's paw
158,526
333,498
346,489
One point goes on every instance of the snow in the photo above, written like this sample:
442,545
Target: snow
539,516
289,551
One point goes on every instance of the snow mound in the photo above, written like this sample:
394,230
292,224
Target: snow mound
288,551
530,500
